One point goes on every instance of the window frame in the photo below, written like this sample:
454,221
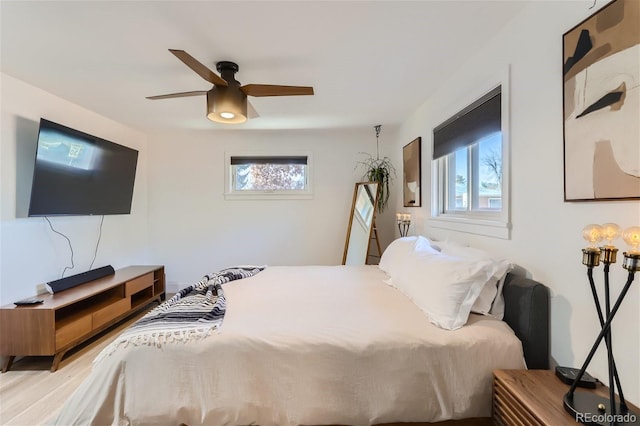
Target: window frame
231,193
482,222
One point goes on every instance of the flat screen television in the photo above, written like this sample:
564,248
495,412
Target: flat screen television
79,174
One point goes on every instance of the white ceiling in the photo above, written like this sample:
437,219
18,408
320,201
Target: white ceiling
370,62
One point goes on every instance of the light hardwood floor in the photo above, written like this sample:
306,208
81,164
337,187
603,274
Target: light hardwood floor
31,395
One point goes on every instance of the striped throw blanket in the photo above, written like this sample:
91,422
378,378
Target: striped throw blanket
191,314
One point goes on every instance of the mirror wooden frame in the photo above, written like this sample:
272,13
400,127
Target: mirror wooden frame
369,213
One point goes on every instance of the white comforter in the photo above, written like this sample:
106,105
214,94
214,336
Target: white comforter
305,345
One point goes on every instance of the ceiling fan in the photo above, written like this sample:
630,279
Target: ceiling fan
227,100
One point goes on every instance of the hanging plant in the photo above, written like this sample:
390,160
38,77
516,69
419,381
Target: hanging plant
379,170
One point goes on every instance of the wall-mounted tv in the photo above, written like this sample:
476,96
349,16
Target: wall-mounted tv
79,174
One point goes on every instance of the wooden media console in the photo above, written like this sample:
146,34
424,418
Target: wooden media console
72,316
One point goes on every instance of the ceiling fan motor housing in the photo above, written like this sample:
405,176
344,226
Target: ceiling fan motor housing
227,104
227,68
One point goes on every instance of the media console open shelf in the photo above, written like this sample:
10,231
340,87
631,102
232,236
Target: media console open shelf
70,317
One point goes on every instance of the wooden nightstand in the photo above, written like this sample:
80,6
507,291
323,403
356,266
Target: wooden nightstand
533,397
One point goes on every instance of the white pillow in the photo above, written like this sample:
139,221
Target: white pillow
395,254
492,290
424,244
497,308
490,301
444,287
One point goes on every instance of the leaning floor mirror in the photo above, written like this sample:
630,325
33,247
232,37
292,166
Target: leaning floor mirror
361,223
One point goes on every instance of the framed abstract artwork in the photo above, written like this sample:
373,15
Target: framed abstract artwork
411,174
601,94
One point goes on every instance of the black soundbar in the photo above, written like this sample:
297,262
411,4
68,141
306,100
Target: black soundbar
76,280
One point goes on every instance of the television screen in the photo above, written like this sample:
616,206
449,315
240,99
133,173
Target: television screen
79,174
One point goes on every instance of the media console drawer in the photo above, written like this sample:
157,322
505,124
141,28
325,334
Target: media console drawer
73,330
138,284
110,312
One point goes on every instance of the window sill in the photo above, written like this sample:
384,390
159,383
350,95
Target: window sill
486,227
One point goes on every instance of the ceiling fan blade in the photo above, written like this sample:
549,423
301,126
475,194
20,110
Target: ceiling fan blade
251,111
274,90
178,95
200,69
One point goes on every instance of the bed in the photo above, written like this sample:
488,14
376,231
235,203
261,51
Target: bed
319,345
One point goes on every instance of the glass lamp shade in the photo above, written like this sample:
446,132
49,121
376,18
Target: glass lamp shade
631,236
610,231
593,234
403,217
226,105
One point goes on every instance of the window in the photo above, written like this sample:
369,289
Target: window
268,176
470,171
473,177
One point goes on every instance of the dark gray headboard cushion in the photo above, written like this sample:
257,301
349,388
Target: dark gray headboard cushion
527,313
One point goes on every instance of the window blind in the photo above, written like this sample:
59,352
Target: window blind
276,159
476,121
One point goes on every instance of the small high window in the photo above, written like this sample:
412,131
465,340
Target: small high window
268,176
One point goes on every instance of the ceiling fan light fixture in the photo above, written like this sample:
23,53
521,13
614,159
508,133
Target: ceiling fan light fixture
226,106
227,101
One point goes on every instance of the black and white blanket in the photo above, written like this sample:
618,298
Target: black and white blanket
191,314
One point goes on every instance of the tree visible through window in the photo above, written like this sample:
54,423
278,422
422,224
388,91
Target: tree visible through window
269,175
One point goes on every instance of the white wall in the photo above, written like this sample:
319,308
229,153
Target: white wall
30,253
546,234
194,230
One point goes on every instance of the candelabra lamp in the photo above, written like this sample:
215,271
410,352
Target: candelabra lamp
588,408
404,222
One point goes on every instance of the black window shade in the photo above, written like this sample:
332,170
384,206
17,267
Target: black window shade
476,121
279,159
